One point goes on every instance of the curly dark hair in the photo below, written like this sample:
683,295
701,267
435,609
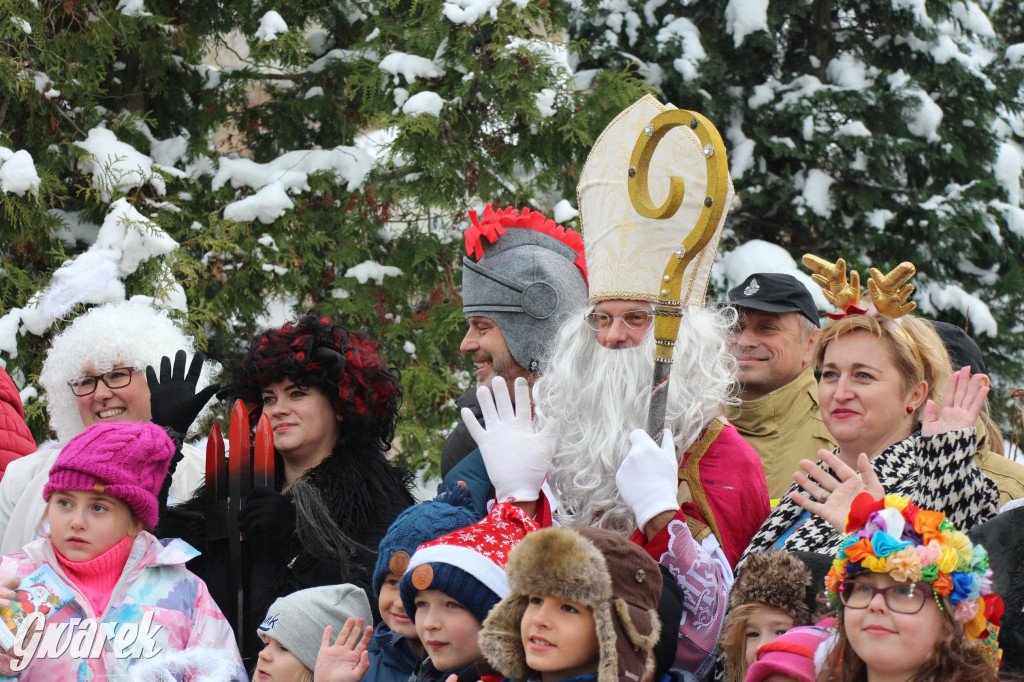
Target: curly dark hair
345,364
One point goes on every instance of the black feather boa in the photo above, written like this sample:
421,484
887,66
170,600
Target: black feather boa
358,484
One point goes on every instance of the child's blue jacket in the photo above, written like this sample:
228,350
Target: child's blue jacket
391,657
426,672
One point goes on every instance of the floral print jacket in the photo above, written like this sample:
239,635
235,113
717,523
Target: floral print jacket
160,621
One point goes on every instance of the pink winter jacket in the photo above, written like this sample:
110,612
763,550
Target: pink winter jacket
170,607
15,438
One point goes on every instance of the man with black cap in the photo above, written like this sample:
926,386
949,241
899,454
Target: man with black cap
779,415
523,276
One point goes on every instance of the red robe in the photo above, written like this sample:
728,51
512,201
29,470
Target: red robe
728,486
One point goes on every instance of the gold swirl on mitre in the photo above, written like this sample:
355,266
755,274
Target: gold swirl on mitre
666,326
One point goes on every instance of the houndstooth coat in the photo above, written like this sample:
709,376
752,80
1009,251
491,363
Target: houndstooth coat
936,472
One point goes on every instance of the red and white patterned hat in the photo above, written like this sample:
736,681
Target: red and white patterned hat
478,552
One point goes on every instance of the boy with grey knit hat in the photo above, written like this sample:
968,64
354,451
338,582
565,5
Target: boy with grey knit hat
295,630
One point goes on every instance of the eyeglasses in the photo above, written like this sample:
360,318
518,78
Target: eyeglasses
634,319
906,598
119,377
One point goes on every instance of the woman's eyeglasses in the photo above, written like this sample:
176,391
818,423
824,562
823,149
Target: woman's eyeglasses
904,598
119,377
634,319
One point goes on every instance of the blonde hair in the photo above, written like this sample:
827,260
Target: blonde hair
914,346
993,434
733,640
305,676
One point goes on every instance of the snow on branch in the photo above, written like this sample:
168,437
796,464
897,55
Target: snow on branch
411,66
116,166
368,270
934,296
18,172
270,25
126,239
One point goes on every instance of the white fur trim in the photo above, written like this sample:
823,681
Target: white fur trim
204,664
469,560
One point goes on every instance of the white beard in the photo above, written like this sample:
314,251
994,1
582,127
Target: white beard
598,395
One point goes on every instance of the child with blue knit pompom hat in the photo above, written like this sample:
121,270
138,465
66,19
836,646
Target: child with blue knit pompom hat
395,648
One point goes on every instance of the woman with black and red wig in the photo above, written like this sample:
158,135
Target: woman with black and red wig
333,404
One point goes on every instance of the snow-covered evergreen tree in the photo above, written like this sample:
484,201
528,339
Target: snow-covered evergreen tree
877,130
227,157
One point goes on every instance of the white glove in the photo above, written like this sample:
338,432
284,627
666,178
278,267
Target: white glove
516,457
648,479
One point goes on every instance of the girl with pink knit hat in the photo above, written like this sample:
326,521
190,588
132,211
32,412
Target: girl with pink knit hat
129,605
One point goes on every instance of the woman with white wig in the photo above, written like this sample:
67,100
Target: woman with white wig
95,372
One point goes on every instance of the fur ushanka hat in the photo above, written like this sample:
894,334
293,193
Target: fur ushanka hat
591,566
776,579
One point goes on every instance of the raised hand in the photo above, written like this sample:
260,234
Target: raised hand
347,659
830,497
515,454
888,292
832,279
173,399
961,405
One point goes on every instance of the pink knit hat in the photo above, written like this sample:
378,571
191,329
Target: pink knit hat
126,460
790,654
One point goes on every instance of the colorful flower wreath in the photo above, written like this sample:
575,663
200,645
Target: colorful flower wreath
895,536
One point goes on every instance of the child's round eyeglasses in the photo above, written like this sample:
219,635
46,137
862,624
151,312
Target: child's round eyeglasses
906,598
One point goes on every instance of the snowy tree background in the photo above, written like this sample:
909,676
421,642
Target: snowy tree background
242,162
880,131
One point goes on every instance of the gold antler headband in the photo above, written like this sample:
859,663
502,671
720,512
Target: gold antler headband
832,279
889,292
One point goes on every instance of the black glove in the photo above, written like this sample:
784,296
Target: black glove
268,516
173,399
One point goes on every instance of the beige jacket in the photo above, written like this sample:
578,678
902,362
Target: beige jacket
1007,474
21,492
784,427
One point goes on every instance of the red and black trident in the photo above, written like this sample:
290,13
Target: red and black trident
228,480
